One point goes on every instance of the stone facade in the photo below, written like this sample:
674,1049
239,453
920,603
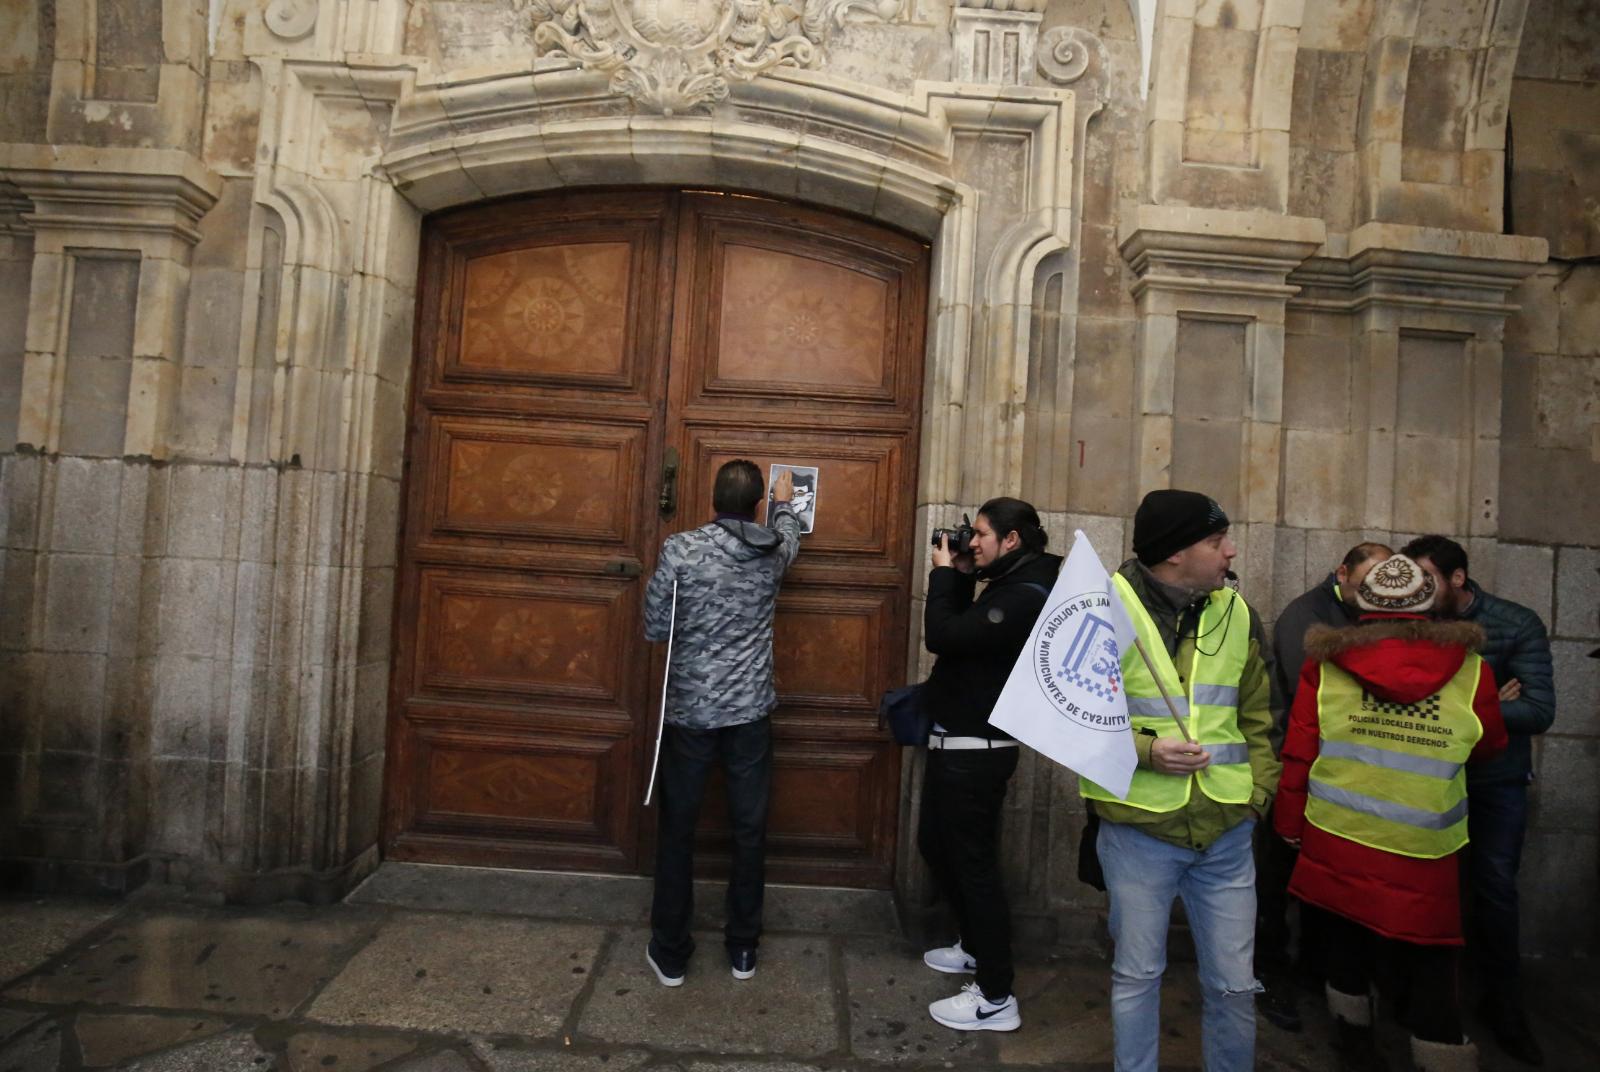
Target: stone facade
1334,263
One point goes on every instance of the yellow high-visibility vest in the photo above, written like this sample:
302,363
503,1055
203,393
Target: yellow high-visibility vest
1207,699
1390,775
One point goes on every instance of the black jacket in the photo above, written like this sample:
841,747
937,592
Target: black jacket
1518,647
978,641
1321,605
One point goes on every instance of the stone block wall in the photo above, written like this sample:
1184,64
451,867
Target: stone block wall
1551,430
1274,270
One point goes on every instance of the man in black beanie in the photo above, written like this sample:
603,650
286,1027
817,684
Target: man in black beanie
1183,829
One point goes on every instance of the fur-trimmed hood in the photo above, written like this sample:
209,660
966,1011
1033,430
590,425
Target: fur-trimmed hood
1323,642
1400,659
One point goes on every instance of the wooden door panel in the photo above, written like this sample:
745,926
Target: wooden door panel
502,637
561,298
828,815
554,313
553,481
860,482
794,307
521,800
828,649
800,322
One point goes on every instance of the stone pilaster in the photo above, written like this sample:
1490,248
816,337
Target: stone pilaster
1428,310
141,205
995,41
1211,290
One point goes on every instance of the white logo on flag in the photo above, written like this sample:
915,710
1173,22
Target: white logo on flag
1065,696
1077,650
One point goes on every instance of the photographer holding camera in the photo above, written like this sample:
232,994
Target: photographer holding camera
970,762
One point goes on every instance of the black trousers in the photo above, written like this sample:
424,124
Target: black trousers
1275,860
687,756
959,836
1426,978
1497,824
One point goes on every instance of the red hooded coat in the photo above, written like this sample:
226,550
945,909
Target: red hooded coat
1401,658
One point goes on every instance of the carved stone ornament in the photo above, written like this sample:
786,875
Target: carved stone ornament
673,55
1065,52
291,19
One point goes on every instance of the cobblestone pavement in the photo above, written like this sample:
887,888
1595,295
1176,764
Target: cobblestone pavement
444,970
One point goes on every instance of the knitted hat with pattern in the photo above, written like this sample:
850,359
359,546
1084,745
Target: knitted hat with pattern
1396,585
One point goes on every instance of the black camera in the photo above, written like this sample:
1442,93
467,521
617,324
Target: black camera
960,538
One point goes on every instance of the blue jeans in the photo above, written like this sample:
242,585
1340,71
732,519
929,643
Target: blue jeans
1497,820
1218,888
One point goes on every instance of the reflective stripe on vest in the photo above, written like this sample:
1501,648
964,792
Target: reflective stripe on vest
1388,809
1390,775
1377,757
1208,702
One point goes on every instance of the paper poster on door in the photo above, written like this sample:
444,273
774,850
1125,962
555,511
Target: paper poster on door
805,493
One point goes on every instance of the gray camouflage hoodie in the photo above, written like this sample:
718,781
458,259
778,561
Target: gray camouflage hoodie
728,573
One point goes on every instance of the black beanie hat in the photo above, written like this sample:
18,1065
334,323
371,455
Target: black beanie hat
1169,520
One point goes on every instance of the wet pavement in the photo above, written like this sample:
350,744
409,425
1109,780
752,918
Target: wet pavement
446,970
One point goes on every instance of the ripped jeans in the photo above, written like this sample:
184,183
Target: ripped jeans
1217,885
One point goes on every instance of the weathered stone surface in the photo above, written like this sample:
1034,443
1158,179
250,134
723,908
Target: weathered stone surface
1566,799
787,1008
77,616
508,1058
1577,687
1547,918
1524,574
444,973
14,1021
233,964
105,1041
237,1050
443,1061
315,1051
37,1049
1577,597
50,928
1317,478
890,989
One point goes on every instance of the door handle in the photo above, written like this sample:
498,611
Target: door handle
669,483
623,567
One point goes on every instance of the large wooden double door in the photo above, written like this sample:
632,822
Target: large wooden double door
585,363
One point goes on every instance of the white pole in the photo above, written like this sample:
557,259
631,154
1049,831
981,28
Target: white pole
661,725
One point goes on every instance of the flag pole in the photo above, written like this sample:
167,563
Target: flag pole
1162,686
661,726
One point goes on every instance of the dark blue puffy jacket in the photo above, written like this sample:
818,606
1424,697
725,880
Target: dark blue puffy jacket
1518,647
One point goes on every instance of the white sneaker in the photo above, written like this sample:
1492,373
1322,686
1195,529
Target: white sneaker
951,959
971,1011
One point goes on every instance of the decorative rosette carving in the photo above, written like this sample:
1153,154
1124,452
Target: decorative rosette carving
674,55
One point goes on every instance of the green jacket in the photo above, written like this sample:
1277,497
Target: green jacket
1201,821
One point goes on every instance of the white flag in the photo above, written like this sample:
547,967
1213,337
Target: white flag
1065,696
